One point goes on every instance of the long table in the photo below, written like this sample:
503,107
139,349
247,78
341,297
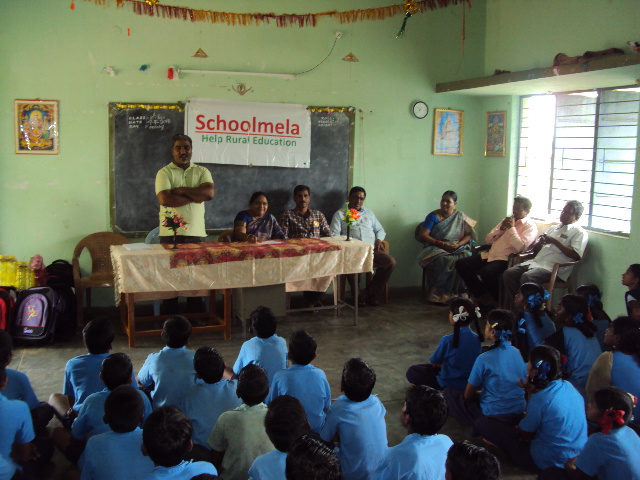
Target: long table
148,275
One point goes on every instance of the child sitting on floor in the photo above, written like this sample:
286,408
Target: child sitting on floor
169,373
554,428
423,452
311,459
166,439
592,294
497,372
530,302
631,280
466,461
205,402
304,381
239,436
611,453
356,421
453,360
285,422
267,349
576,339
116,453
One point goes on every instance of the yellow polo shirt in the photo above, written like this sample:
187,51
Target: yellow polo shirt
172,176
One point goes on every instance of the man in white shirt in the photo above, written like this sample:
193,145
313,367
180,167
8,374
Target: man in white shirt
564,242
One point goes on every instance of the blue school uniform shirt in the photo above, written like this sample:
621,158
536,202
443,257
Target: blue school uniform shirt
497,372
556,415
19,388
535,334
309,385
82,377
614,456
270,353
270,466
183,471
417,457
7,468
205,402
582,352
456,362
625,374
15,427
114,456
90,420
363,435
171,373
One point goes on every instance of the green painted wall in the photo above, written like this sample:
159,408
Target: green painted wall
49,52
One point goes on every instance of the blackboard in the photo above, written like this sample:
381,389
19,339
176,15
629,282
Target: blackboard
140,145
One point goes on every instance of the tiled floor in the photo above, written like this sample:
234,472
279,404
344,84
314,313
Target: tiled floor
389,337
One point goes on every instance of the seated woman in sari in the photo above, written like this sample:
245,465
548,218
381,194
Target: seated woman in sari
446,234
255,224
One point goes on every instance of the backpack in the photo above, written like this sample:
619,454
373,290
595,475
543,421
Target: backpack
60,271
60,279
36,314
7,307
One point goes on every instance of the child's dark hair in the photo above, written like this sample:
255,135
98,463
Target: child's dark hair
630,343
285,422
116,370
502,322
578,310
302,348
592,294
98,335
253,384
426,408
6,348
205,476
3,375
166,436
464,311
635,269
123,409
610,399
176,331
208,364
548,363
535,298
623,324
311,459
466,461
358,380
263,322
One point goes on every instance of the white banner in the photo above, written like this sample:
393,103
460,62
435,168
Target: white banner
248,133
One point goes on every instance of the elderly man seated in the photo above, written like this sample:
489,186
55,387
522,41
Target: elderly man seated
564,242
481,273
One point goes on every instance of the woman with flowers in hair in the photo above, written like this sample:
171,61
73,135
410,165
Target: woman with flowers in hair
453,360
554,429
576,339
530,303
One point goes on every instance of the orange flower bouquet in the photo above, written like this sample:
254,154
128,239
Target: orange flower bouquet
351,215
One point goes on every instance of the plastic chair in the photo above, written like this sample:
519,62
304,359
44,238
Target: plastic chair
101,276
225,236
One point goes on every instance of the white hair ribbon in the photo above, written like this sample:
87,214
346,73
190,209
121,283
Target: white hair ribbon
461,316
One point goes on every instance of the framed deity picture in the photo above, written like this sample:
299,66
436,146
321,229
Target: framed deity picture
448,131
494,141
36,126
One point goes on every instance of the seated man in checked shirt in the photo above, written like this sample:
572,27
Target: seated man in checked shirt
303,222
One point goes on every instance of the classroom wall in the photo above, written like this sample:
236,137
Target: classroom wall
522,35
51,52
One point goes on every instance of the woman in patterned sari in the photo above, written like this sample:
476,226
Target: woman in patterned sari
446,234
255,224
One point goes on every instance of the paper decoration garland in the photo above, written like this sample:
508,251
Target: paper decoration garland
152,8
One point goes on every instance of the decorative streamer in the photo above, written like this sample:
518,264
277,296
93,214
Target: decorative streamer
152,8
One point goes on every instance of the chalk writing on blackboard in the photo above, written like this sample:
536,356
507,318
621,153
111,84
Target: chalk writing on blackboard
327,121
157,122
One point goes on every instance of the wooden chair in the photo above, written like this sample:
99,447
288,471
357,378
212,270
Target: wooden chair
368,278
225,236
101,276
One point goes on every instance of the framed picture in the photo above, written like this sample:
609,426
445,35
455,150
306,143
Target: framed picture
448,130
36,126
495,136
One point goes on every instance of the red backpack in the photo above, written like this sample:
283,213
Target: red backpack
7,307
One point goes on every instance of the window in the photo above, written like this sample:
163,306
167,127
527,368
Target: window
580,146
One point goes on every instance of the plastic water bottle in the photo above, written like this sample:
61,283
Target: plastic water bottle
22,276
3,270
11,271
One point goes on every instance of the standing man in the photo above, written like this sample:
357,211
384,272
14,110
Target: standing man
368,229
482,273
303,222
564,242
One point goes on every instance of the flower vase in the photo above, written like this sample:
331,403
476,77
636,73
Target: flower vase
348,233
175,242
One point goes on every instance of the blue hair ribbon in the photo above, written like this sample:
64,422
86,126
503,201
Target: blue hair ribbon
592,299
543,368
537,299
521,328
505,336
578,318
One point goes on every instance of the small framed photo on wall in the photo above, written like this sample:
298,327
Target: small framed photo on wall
36,126
495,138
448,131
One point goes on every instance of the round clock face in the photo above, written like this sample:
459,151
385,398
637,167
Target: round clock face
420,109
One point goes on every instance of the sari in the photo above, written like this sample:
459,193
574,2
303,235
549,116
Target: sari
439,263
263,228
